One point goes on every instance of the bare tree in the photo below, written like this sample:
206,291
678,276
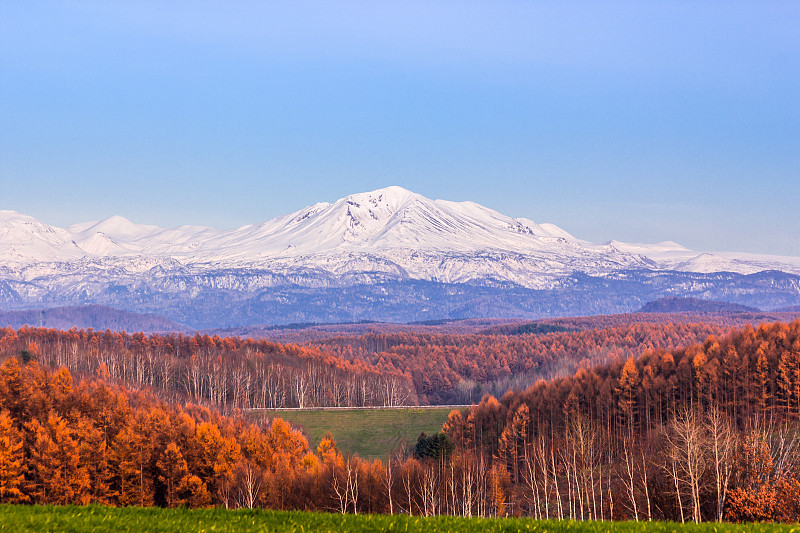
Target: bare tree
300,388
722,441
249,484
686,447
352,483
427,489
531,478
340,489
389,484
554,472
645,484
671,467
408,486
784,447
628,477
468,481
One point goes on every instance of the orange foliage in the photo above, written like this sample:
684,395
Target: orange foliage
440,365
93,442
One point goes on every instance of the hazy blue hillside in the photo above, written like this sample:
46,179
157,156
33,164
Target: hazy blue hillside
99,317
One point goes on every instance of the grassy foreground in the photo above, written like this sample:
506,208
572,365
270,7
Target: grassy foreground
23,518
368,433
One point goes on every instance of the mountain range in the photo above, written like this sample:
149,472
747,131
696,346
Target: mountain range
388,254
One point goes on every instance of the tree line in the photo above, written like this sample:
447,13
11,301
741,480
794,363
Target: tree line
224,372
451,368
374,369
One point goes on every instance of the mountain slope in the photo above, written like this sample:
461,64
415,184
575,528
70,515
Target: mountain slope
23,239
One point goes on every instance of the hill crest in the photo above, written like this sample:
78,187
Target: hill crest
694,305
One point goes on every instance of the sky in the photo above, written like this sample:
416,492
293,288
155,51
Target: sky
637,121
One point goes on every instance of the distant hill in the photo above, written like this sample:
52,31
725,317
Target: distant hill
790,309
99,317
300,333
694,305
530,328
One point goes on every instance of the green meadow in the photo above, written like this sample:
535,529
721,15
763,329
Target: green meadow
23,518
368,433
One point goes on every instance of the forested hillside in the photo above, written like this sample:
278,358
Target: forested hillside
460,368
226,373
373,369
398,367
698,433
66,443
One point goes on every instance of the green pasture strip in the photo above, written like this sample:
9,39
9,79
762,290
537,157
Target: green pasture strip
23,518
368,433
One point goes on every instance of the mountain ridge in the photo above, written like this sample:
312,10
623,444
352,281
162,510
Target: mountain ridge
390,224
387,250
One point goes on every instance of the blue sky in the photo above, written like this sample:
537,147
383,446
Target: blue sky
637,121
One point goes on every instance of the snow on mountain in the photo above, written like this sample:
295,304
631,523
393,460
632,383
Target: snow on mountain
180,242
118,236
660,249
741,263
378,221
23,239
100,244
117,228
548,230
390,231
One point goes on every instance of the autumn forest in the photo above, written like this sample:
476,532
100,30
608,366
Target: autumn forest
640,419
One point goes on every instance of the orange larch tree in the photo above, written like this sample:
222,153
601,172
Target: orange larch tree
12,466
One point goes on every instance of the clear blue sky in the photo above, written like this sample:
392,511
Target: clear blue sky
638,121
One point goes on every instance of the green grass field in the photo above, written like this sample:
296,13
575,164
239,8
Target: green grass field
369,433
22,518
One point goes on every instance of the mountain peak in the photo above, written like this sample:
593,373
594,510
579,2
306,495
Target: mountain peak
116,227
392,197
23,238
388,229
390,192
118,220
11,218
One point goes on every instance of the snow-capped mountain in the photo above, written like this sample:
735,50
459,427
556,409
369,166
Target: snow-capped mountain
25,239
390,235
